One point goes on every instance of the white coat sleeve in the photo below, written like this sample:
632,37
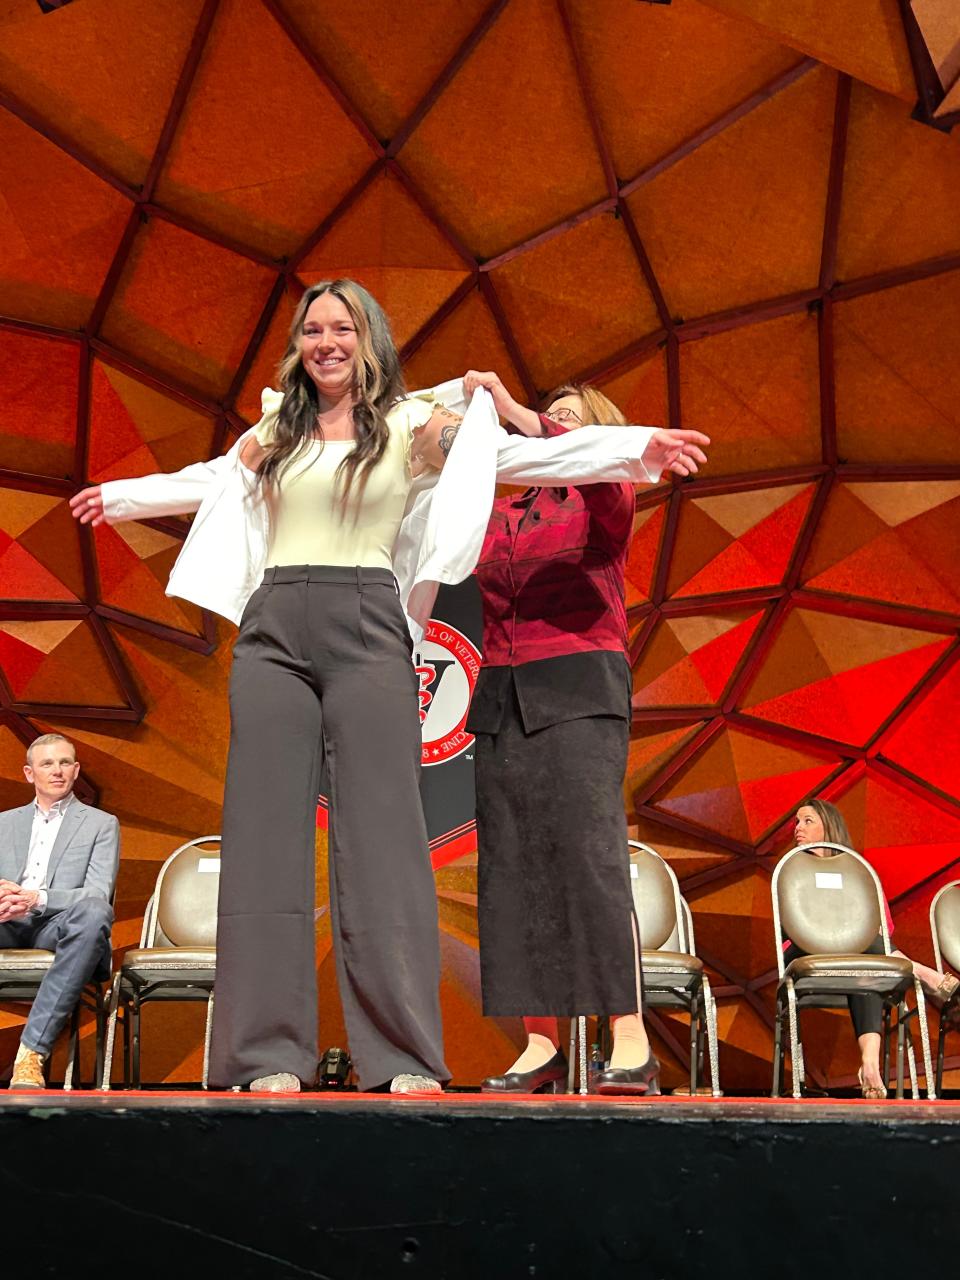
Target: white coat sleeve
589,455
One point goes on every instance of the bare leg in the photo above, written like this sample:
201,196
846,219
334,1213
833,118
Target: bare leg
870,1075
543,1041
631,1048
930,980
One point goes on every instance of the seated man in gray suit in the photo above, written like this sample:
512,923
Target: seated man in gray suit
58,866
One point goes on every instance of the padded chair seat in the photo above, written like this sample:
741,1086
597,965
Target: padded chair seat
151,964
862,972
24,960
656,963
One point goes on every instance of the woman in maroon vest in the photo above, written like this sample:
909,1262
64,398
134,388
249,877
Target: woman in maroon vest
551,715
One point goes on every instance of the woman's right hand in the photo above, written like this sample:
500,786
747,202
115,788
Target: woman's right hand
87,506
503,401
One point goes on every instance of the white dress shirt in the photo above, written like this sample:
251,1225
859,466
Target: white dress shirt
43,834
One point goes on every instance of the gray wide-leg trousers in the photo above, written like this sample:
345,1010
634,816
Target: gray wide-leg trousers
79,937
322,673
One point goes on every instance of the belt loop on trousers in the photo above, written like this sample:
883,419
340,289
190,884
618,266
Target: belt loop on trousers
360,579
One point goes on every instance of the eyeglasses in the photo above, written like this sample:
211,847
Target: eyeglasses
565,415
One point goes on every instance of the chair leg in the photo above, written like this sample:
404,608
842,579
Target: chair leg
912,1070
941,1039
694,1025
901,1028
582,1032
135,1032
710,1006
73,1049
777,1086
208,1031
101,1014
572,1056
932,1087
111,1034
795,1062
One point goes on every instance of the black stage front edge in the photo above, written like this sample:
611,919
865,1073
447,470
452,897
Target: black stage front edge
350,1187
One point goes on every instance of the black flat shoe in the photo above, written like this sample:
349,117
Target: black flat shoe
550,1078
626,1081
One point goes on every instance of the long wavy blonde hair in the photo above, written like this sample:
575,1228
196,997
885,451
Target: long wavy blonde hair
379,384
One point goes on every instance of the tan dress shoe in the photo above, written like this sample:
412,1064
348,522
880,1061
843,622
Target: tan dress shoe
28,1071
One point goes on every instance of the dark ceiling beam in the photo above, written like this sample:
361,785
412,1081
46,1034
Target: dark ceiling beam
313,239
930,90
624,359
896,276
118,668
670,768
253,346
449,234
692,829
33,483
908,781
586,98
607,205
750,313
65,144
166,383
446,309
838,157
893,615
916,695
183,220
489,294
720,601
827,383
145,196
323,73
693,143
30,327
172,635
459,58
938,672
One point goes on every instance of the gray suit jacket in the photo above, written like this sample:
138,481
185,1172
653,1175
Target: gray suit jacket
83,861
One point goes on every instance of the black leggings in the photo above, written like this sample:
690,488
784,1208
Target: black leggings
866,1010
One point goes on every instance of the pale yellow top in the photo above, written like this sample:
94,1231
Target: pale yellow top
309,522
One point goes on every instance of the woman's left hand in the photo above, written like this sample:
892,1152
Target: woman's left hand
676,451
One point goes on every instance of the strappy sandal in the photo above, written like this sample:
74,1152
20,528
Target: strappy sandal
944,994
872,1092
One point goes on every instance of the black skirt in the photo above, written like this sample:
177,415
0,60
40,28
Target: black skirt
555,906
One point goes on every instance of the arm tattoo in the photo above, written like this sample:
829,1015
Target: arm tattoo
447,436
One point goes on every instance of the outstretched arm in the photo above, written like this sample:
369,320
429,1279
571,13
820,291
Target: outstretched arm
593,455
174,494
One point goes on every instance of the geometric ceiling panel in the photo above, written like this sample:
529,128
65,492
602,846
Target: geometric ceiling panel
650,748
741,785
901,189
734,921
755,391
57,223
263,369
39,548
135,431
67,70
839,677
861,37
688,661
388,243
493,182
133,565
716,244
905,837
386,56
56,661
543,291
642,555
186,306
927,739
688,854
735,541
898,378
659,78
890,541
641,391
34,370
467,339
226,168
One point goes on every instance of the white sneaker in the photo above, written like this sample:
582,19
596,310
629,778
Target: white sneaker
281,1082
415,1084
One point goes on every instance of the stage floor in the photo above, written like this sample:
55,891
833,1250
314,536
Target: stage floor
347,1186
